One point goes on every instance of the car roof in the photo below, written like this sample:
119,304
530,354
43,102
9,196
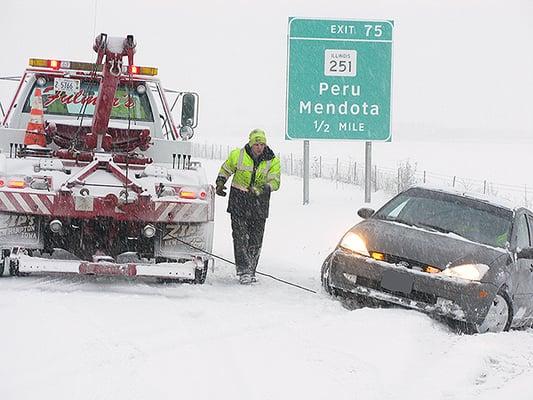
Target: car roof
489,199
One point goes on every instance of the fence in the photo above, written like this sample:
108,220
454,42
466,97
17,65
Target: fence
390,180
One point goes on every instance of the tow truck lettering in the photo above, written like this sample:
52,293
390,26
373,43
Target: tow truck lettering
176,231
18,220
81,98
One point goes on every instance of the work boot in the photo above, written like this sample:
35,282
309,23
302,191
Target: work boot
245,279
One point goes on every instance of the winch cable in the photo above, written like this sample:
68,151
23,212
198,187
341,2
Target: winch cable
83,108
257,272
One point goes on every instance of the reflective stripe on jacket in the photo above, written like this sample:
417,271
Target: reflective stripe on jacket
249,178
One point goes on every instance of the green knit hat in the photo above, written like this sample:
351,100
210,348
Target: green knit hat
257,136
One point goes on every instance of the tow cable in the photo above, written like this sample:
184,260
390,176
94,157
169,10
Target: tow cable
257,272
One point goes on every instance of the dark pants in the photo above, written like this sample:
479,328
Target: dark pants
247,241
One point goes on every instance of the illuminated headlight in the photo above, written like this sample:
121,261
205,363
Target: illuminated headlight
353,242
149,231
471,272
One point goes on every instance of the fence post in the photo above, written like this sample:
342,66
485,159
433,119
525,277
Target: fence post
424,176
453,184
399,173
320,167
291,163
485,187
375,178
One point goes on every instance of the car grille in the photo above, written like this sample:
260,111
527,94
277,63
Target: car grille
414,295
405,262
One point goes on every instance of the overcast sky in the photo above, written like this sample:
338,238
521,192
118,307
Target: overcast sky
462,68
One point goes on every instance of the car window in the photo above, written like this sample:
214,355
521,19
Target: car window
522,233
137,107
472,219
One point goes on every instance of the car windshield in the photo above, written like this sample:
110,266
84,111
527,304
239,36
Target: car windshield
447,213
136,108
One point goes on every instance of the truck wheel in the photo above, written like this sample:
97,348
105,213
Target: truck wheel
201,274
4,263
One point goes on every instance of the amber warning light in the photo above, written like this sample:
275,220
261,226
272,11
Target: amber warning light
83,66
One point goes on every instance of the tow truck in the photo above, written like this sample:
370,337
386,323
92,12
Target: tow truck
104,183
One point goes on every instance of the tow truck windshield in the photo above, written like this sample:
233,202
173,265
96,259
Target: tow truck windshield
128,103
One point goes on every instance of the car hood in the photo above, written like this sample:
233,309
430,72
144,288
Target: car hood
422,246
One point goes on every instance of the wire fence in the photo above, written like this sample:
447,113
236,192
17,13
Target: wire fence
389,180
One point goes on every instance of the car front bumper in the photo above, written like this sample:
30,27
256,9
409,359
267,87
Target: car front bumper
436,294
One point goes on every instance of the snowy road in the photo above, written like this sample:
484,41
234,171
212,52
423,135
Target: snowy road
74,338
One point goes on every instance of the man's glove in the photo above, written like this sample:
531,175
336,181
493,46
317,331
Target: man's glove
266,189
221,189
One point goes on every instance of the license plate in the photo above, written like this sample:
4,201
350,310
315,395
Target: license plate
397,282
66,85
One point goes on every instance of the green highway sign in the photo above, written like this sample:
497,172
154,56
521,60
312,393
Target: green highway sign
339,79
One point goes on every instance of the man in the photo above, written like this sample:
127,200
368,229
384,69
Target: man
256,173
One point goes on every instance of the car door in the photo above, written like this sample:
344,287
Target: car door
523,269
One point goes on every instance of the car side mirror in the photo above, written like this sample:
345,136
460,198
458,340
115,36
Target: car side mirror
365,212
525,253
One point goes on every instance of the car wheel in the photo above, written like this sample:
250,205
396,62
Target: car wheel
324,276
499,316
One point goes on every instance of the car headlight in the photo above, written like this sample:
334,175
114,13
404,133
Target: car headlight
353,242
471,272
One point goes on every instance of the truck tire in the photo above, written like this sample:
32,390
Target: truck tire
201,274
3,270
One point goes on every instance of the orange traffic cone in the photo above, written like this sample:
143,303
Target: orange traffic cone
35,130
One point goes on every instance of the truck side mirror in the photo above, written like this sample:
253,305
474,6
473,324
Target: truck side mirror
189,108
365,212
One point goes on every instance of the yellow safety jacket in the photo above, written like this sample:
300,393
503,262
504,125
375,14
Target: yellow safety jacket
247,197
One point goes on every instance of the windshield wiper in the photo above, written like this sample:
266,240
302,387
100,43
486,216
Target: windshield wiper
396,219
419,225
439,229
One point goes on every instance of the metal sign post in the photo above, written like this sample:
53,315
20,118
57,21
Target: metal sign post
306,172
339,80
368,171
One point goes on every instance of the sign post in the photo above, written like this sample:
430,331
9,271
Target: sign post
339,80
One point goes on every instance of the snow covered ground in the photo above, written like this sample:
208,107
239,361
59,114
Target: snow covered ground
74,338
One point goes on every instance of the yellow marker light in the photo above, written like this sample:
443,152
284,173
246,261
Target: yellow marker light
432,270
483,294
377,256
150,71
16,184
185,194
38,62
